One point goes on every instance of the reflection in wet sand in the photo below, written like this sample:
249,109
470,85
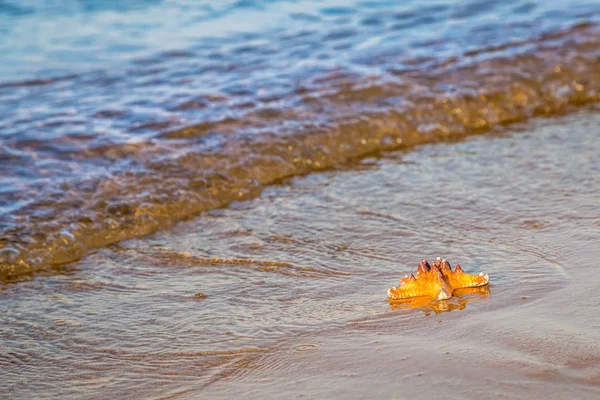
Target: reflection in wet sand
459,300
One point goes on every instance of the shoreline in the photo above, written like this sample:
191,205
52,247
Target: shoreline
334,125
304,311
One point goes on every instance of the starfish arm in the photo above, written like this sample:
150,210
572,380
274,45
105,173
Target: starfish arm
460,279
408,291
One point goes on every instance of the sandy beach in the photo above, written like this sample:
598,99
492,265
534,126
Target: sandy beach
285,295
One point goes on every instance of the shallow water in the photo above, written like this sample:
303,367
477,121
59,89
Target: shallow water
118,121
285,295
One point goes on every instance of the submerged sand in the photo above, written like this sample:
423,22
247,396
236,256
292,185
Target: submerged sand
284,296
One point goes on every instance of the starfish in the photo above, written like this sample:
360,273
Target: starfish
437,281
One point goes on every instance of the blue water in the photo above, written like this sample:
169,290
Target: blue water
46,38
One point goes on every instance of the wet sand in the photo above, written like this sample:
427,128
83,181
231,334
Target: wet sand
284,296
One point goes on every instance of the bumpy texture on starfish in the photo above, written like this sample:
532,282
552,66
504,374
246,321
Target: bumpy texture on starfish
437,281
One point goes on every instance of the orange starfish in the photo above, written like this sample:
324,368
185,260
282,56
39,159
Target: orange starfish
437,281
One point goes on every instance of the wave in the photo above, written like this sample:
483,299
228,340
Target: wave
326,121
